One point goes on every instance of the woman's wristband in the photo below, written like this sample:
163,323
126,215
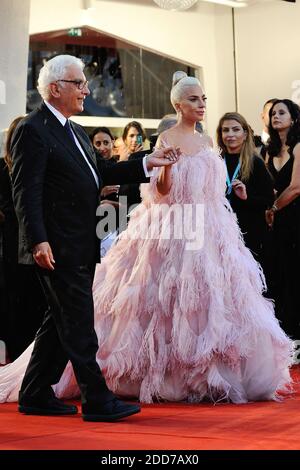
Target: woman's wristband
274,208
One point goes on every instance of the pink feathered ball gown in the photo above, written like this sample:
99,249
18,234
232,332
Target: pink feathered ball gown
177,321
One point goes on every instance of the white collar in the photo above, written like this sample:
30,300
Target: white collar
62,119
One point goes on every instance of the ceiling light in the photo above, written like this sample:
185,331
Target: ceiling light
176,5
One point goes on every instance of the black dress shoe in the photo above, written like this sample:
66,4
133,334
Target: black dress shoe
112,411
51,407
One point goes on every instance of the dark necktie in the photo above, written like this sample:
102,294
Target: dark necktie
67,126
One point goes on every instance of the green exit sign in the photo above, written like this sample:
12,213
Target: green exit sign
75,32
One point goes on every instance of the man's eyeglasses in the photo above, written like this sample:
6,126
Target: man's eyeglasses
79,83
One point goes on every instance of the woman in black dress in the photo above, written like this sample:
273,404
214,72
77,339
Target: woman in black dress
23,300
283,160
249,184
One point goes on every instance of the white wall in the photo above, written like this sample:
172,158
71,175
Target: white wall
201,37
268,55
267,38
14,25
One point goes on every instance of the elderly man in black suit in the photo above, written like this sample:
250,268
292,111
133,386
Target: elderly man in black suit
56,188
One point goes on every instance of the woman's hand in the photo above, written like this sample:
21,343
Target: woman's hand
239,189
269,217
139,148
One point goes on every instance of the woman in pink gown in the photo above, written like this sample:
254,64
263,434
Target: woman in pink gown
179,311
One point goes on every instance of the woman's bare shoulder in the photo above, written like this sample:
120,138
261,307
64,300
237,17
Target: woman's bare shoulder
206,140
167,137
167,134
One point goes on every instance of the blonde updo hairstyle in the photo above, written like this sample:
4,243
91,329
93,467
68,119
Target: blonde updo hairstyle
180,82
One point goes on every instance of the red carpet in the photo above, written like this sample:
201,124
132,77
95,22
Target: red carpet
264,425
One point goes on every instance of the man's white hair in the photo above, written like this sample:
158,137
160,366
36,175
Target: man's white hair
53,70
179,83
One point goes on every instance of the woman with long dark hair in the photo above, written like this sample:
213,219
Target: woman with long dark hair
283,160
134,136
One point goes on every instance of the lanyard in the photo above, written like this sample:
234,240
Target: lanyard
228,181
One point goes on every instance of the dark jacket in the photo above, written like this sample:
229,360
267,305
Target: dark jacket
251,212
54,190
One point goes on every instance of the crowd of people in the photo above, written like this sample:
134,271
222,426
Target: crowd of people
172,312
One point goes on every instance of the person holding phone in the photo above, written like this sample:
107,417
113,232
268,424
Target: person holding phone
133,137
132,148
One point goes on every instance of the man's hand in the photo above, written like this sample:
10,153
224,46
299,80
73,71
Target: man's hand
107,202
110,190
163,157
42,255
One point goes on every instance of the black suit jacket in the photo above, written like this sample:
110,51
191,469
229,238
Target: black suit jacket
132,191
10,224
54,190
